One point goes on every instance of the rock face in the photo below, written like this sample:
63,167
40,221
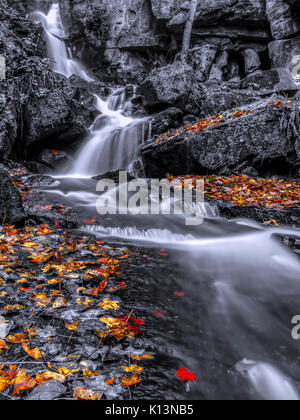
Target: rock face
11,207
258,142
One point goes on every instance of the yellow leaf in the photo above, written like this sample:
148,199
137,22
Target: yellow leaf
72,327
132,368
133,380
108,304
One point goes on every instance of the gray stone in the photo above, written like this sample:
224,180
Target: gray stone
48,391
282,21
255,138
169,84
271,81
252,61
286,53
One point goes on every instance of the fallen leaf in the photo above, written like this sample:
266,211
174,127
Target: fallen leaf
86,394
184,375
133,380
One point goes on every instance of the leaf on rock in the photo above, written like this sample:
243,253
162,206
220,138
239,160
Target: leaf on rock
86,394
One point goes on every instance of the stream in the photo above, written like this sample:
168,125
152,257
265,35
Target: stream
240,286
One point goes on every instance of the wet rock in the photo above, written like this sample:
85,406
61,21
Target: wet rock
48,391
168,85
271,81
261,140
11,207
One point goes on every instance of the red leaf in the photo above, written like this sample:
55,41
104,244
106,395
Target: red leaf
138,321
179,294
158,314
56,223
184,375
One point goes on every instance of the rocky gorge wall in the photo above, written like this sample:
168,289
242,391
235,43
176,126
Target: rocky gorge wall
241,52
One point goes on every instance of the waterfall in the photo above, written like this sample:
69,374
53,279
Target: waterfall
61,59
114,140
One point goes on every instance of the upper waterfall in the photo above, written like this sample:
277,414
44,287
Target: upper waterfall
60,56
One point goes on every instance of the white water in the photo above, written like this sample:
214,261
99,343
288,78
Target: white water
268,382
56,49
114,140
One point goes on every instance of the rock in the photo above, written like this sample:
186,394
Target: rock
252,61
48,391
202,59
168,85
214,96
271,81
11,207
258,139
166,120
283,22
286,53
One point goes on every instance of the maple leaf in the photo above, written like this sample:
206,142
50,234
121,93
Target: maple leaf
22,382
133,380
86,394
184,375
132,368
34,353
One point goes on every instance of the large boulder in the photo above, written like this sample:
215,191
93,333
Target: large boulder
168,85
260,139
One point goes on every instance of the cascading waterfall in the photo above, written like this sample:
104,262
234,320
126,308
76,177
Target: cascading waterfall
114,140
56,49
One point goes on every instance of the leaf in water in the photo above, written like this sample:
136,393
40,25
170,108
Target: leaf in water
184,375
142,357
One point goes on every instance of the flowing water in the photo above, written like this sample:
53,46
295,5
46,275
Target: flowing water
241,287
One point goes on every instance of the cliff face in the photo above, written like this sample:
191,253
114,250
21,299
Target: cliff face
127,38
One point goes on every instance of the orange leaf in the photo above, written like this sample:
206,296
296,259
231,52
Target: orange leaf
86,394
133,380
34,353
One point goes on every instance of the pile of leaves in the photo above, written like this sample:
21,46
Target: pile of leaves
192,129
242,190
48,276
